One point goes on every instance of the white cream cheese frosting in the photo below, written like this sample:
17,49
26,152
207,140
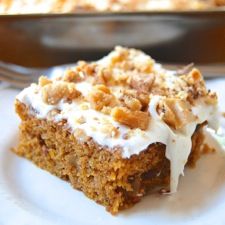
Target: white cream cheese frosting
178,143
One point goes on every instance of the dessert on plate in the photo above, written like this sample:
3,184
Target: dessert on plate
118,128
68,6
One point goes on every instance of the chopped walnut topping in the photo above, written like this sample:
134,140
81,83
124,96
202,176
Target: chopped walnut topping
87,68
211,98
147,67
103,76
106,110
80,72
115,132
101,96
73,76
122,84
51,114
194,76
133,119
197,88
103,88
81,120
126,136
143,98
110,130
84,106
176,113
142,82
54,92
131,60
43,80
130,102
119,56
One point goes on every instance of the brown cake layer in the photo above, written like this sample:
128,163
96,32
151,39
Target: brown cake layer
100,174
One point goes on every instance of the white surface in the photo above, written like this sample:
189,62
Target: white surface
29,195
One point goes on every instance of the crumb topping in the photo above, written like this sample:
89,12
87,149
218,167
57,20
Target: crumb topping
176,112
53,92
122,84
133,119
101,96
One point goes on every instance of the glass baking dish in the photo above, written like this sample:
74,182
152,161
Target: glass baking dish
176,37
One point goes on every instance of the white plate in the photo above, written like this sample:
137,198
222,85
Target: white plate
29,195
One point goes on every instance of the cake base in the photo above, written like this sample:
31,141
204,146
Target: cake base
102,175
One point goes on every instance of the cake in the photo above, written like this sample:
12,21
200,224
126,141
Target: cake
119,128
68,6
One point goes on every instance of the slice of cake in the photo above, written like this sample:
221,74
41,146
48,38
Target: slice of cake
117,128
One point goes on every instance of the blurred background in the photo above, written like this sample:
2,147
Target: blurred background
42,33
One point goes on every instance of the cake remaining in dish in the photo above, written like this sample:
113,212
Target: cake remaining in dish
71,6
117,128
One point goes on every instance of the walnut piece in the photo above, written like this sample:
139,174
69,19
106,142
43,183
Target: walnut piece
81,120
43,80
194,76
106,110
101,96
211,98
176,113
143,98
120,55
87,68
130,102
52,93
110,130
80,72
103,76
142,82
73,76
51,114
133,119
131,60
